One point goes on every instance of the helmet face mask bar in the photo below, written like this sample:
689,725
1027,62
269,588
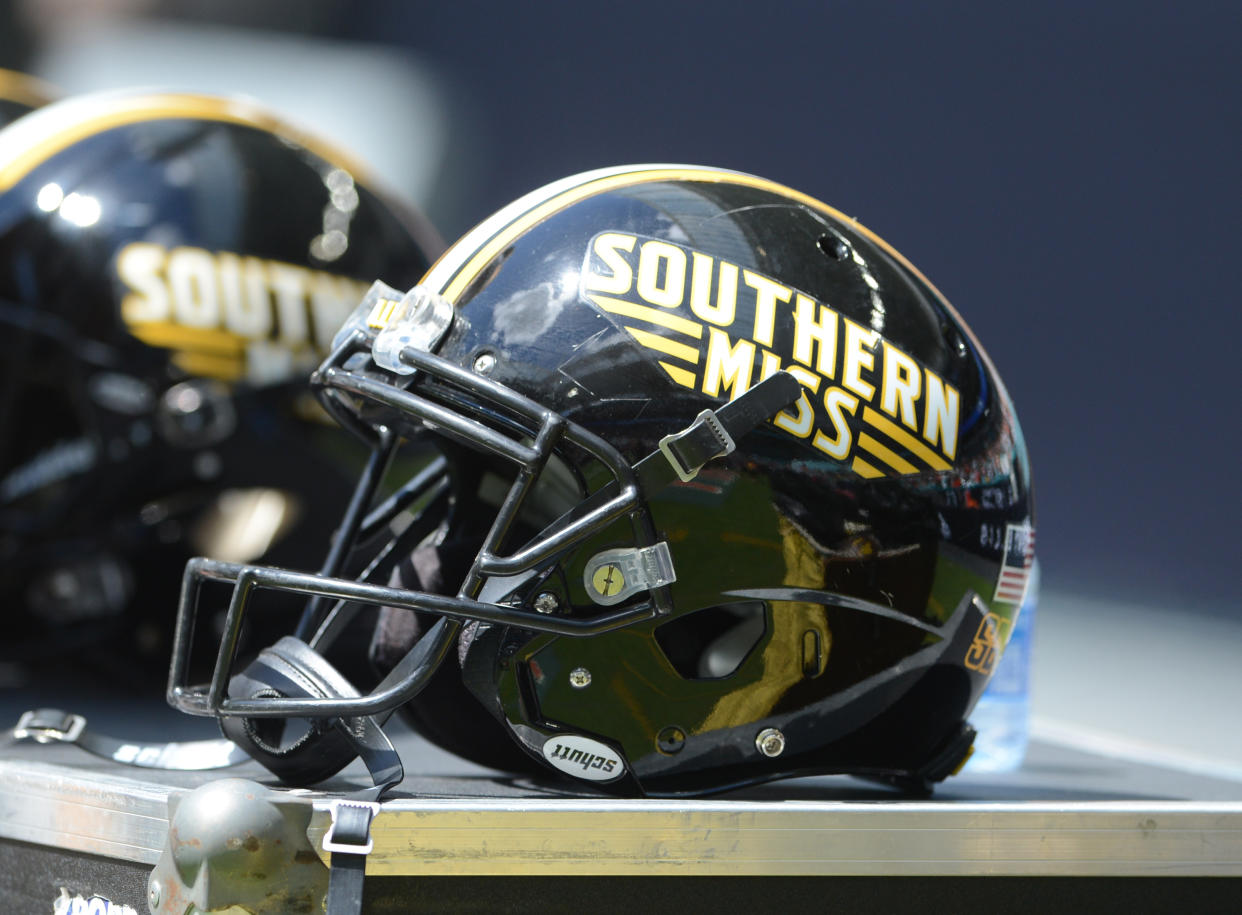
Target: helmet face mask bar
725,491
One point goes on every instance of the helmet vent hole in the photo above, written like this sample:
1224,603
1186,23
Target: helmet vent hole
712,643
833,247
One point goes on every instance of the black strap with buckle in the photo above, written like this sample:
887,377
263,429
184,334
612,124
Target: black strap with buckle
349,841
714,433
687,451
49,725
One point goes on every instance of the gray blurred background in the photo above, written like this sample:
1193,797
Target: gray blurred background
1068,173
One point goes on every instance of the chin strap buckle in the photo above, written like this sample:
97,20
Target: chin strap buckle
49,725
704,439
349,841
350,830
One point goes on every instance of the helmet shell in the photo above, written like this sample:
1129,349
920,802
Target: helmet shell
847,577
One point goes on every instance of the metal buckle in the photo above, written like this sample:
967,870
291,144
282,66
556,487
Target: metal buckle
31,727
329,840
721,435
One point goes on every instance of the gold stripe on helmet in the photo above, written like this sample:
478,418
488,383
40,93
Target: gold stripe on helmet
25,90
57,127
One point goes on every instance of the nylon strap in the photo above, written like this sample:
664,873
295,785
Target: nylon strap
349,841
702,440
49,725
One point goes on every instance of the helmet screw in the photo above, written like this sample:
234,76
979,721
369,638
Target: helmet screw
153,894
670,740
546,602
484,363
608,579
770,742
579,678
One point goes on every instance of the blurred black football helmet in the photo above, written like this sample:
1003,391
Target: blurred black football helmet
727,491
20,94
172,267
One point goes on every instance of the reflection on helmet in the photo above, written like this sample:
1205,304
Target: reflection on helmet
728,491
171,269
20,94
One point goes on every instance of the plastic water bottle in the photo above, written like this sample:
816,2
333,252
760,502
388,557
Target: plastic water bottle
1002,716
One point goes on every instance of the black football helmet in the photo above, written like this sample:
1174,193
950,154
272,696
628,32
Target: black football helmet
172,267
21,94
725,491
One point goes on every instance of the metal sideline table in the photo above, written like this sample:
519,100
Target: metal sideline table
1068,831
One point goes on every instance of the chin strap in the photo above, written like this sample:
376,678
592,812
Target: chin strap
349,841
49,725
714,433
289,668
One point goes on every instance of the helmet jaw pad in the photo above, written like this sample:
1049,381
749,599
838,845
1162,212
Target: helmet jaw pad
290,668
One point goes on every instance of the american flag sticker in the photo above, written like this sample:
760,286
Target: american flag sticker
1016,563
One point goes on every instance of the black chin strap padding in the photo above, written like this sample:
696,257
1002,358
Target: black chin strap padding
291,669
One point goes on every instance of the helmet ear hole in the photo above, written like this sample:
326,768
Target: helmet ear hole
301,751
278,735
712,643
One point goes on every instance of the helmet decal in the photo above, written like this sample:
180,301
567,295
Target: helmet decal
583,757
712,325
1016,564
228,316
